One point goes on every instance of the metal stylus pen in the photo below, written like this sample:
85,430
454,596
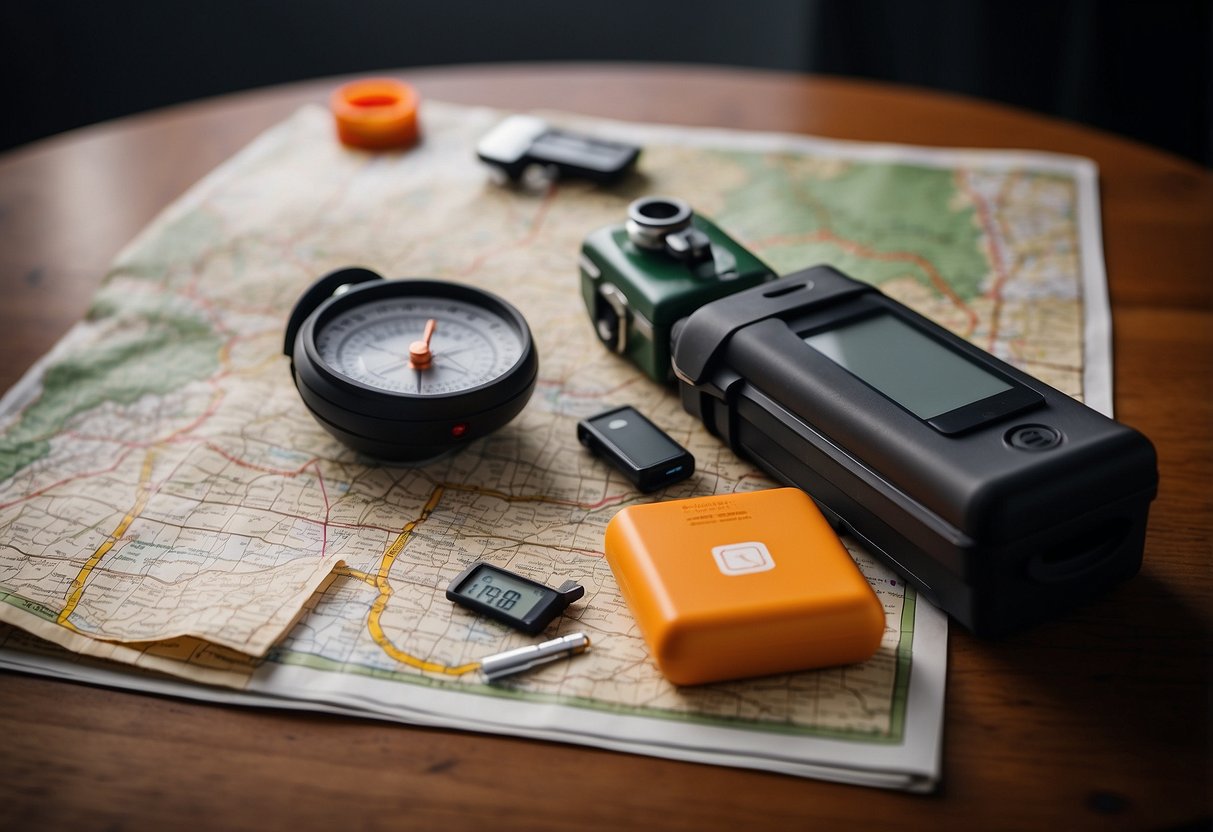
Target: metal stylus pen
510,662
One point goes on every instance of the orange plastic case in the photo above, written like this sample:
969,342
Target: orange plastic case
742,585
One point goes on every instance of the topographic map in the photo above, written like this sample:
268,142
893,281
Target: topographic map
166,501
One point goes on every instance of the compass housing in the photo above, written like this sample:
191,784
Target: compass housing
391,424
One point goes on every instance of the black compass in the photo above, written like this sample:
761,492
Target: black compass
408,369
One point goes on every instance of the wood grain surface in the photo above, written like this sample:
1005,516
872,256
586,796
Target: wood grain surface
1101,720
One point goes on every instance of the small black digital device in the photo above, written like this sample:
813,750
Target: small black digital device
1003,500
513,600
520,143
642,451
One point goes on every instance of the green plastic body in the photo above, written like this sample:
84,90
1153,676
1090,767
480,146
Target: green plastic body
661,290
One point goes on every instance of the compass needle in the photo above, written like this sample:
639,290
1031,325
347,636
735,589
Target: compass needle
420,356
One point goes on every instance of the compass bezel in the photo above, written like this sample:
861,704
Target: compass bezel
400,425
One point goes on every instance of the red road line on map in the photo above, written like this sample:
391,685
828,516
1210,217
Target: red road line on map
530,498
82,476
131,446
217,396
175,436
312,463
328,508
319,217
281,472
746,476
524,498
617,498
315,464
993,250
521,541
537,223
825,235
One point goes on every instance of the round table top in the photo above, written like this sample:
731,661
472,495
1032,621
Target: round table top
1100,720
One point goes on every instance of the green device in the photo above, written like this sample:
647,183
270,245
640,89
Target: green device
641,277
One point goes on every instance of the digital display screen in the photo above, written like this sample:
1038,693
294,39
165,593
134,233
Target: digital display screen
501,591
908,366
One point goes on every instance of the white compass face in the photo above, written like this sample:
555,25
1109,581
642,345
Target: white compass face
470,345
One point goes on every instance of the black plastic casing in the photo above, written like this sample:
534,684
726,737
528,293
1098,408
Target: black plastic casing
643,452
1000,532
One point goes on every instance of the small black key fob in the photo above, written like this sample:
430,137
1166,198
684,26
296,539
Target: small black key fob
637,447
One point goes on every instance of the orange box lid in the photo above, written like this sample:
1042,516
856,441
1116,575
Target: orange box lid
742,585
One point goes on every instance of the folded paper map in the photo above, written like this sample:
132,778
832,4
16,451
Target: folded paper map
167,502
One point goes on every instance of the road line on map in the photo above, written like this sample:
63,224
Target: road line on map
357,574
825,235
994,250
537,223
76,590
374,623
535,498
25,498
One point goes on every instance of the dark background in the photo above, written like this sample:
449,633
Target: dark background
1138,68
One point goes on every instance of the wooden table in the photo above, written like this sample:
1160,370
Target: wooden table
1101,720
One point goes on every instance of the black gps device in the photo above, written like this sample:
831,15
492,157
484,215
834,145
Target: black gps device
640,450
1003,500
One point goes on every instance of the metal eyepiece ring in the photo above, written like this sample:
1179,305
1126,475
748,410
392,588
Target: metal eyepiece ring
652,218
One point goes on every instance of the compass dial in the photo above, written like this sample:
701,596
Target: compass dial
370,343
408,369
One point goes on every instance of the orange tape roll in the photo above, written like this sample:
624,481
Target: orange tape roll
376,113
